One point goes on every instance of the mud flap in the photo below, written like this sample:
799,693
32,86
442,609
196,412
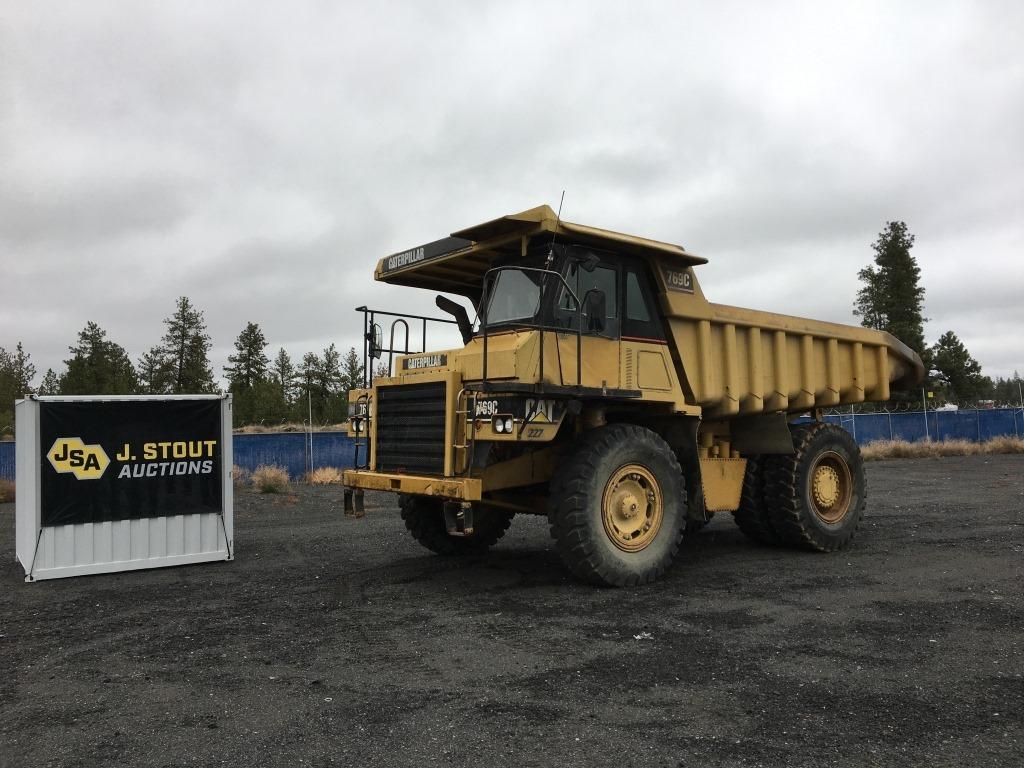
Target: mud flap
681,434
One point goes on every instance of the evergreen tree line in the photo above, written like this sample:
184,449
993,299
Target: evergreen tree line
891,299
264,391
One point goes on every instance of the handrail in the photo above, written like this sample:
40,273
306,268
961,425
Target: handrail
484,308
369,323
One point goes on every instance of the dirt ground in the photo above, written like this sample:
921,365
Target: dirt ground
332,641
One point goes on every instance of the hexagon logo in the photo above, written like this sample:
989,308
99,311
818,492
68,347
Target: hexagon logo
85,462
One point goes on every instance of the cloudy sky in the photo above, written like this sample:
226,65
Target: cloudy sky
260,157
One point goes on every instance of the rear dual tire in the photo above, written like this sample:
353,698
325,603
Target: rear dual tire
812,499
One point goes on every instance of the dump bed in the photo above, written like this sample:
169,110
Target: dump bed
742,361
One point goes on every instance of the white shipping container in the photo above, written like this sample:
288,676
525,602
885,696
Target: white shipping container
55,551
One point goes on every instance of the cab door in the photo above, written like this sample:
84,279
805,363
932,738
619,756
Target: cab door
644,357
600,336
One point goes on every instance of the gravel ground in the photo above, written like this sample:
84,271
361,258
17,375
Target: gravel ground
337,641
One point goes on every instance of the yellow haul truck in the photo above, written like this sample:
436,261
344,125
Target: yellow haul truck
600,388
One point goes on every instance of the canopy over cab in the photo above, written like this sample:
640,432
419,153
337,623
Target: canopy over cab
457,264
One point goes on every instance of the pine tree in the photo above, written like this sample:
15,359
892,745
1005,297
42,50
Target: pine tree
155,372
283,375
16,375
892,298
50,384
351,371
249,363
98,366
329,383
309,398
19,369
957,370
247,374
186,347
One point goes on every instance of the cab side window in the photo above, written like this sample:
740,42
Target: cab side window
602,278
640,318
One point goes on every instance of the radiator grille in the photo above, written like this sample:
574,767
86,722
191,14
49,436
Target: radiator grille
410,428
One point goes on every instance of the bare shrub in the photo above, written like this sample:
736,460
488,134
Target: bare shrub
6,491
1004,444
240,477
325,476
894,449
955,448
270,479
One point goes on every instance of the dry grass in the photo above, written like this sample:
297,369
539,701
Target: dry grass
6,491
240,477
325,476
270,480
1005,444
901,449
262,429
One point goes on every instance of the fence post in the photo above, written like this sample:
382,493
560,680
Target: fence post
924,402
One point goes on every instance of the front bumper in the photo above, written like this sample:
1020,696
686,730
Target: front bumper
456,488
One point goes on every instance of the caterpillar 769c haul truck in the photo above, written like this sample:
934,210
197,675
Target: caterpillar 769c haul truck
600,388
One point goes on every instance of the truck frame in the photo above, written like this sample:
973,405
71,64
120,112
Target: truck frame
600,388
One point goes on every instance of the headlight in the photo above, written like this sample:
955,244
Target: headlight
503,424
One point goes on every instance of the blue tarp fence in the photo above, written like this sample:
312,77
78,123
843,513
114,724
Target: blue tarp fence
7,461
291,450
977,425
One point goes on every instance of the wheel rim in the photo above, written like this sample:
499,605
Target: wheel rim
831,487
632,508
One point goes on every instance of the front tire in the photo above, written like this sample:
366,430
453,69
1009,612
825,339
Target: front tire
618,506
816,495
424,519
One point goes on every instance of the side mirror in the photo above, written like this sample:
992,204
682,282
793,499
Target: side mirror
376,338
595,307
590,262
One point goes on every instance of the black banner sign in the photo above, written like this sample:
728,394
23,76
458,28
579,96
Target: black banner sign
122,460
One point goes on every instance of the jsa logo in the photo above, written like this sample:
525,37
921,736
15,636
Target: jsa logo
85,462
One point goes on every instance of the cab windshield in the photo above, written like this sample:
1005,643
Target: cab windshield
515,296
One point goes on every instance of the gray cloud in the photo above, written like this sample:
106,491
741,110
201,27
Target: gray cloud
260,159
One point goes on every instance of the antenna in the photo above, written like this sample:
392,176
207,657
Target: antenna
558,218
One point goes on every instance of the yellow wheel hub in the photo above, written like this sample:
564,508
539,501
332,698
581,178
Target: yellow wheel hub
826,486
632,508
831,487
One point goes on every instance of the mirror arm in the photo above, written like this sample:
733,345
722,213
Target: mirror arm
457,311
